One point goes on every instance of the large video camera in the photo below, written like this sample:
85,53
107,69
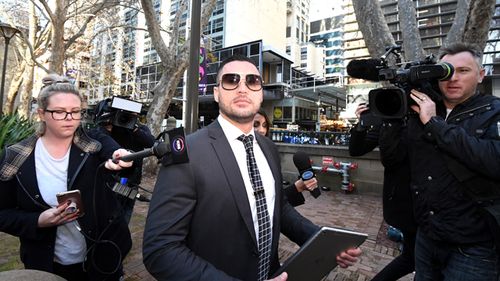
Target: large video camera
393,102
118,112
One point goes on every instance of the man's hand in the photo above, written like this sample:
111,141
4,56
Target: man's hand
362,107
425,107
282,277
117,154
348,257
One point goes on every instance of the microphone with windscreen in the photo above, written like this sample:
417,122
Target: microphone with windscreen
158,150
367,69
303,164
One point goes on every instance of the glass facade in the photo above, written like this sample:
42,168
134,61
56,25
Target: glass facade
329,34
435,18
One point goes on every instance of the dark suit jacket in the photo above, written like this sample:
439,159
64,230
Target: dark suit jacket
199,225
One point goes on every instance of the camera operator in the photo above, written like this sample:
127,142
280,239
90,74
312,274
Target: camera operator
397,201
454,152
125,129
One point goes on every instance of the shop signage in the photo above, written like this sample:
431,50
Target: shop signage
327,161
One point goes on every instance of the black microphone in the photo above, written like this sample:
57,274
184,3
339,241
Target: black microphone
367,69
158,150
303,164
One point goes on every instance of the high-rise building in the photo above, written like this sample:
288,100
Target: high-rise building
328,33
257,29
434,20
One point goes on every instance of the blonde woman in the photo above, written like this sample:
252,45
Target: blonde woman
88,244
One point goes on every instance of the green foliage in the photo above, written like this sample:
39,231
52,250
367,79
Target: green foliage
14,128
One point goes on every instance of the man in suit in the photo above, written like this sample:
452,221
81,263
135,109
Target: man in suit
205,217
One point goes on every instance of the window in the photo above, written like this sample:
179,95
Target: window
255,49
218,25
240,50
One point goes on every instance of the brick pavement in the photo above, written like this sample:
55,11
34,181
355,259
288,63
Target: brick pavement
360,212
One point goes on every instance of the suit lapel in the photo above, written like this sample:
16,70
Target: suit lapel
232,172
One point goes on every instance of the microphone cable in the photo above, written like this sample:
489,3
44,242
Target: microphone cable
99,241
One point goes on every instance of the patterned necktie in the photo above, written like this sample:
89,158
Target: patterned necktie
264,239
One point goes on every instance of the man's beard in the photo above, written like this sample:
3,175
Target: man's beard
241,118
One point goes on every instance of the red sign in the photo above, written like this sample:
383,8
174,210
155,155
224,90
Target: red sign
327,160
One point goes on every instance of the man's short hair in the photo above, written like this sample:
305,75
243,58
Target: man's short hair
235,57
459,47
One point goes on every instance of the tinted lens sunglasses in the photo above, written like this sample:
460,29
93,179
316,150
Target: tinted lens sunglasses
231,81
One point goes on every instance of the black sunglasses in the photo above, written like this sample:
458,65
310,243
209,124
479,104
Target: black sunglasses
231,81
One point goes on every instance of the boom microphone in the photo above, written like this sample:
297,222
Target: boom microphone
303,164
158,150
367,69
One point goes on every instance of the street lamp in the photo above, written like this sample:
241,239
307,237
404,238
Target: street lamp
7,32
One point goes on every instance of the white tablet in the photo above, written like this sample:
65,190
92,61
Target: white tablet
317,257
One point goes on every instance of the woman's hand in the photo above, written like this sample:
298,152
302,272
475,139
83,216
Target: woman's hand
56,216
310,184
115,165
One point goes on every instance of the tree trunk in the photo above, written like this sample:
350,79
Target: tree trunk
25,92
457,29
478,22
14,89
373,26
412,44
163,93
57,57
171,55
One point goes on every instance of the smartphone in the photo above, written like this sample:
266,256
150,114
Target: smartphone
76,201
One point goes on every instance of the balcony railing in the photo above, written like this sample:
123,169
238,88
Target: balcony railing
308,137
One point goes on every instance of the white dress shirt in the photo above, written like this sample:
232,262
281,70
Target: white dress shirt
232,133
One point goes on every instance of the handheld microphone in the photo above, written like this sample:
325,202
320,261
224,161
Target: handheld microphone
303,164
158,150
367,69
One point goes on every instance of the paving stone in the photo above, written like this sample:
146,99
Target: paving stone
359,212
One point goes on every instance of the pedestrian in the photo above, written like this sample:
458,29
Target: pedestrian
293,191
209,219
397,204
130,134
454,155
88,244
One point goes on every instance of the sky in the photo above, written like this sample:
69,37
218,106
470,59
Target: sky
320,9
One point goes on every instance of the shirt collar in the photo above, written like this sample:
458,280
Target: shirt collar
232,132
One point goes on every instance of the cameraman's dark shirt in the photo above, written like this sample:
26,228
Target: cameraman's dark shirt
442,209
397,200
135,140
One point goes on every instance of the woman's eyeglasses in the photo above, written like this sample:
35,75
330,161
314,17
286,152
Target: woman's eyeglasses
231,81
61,114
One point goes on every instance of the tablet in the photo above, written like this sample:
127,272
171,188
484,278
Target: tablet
317,257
